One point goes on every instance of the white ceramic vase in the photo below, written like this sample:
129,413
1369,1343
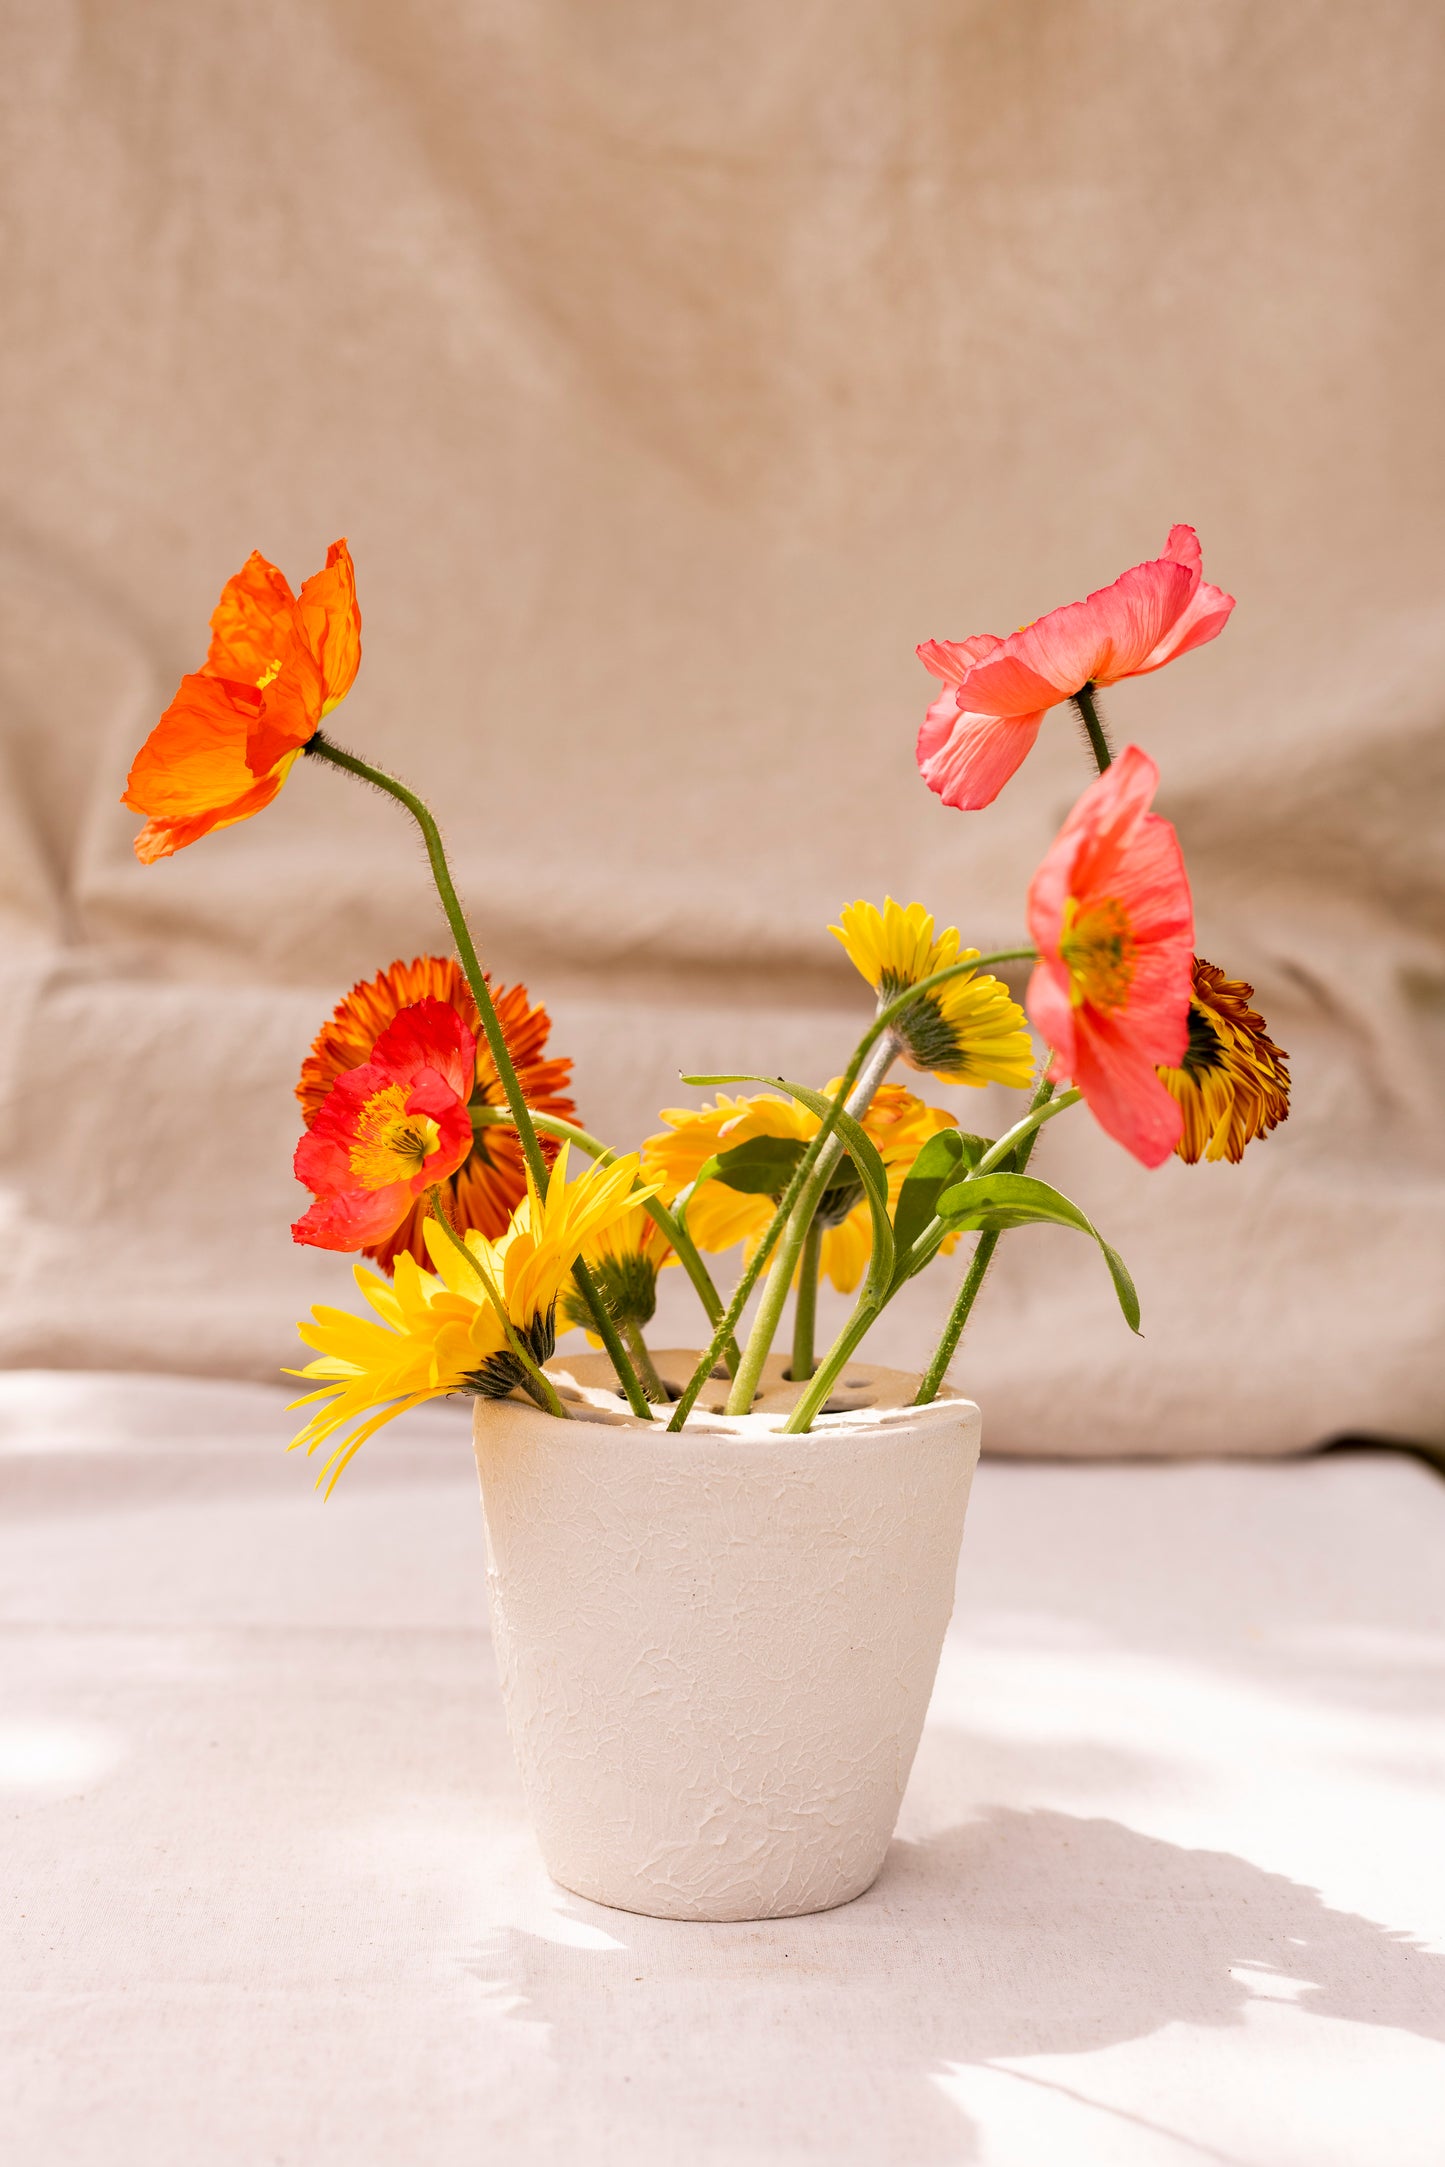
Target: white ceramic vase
717,1647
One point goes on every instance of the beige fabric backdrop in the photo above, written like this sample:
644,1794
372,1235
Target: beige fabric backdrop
674,369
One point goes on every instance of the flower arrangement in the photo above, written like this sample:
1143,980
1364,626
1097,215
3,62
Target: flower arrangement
441,1142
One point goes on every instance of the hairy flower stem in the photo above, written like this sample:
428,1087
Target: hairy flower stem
537,1382
839,1355
805,1305
999,1158
322,748
982,1257
883,1021
646,1368
1093,723
494,1117
785,1263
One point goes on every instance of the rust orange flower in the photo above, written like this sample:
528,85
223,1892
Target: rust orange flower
491,1181
388,1131
278,663
1233,1082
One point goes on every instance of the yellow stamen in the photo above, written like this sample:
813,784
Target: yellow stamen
391,1144
1099,948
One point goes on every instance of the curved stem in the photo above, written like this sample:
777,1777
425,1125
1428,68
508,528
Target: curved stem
539,1384
671,1224
839,1355
785,1262
321,748
1093,723
1044,1108
979,1263
805,1304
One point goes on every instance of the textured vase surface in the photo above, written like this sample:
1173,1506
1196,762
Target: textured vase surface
717,1647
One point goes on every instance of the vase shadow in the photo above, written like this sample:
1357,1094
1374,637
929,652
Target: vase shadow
1018,1934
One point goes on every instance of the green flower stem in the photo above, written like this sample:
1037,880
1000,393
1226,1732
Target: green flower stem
496,1117
839,1355
979,1263
780,1274
1044,1108
1012,1150
883,1021
646,1368
805,1307
539,1384
1093,722
322,748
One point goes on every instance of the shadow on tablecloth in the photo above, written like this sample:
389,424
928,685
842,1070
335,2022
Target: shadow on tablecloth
1018,1934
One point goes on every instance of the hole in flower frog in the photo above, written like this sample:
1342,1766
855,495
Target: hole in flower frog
847,1403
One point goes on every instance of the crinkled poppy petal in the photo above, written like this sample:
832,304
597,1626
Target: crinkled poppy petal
1106,636
290,711
252,623
967,759
352,1218
1106,820
1123,1091
1052,1012
1052,885
430,1034
951,660
1182,547
163,838
331,622
194,760
1203,620
1150,881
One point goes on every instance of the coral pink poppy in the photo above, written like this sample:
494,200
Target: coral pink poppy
1110,911
997,691
388,1130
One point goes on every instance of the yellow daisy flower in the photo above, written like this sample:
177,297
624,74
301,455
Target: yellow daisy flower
970,1031
899,1123
442,1331
1233,1083
625,1256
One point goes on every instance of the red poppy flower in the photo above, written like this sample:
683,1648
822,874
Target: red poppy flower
997,691
389,1130
1110,911
277,664
491,1181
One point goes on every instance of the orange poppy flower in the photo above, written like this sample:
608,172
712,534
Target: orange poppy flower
491,1182
278,663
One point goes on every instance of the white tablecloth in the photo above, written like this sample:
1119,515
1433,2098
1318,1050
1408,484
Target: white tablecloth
1169,1884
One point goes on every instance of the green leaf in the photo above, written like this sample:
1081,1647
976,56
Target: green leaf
994,1202
763,1166
870,1171
943,1158
1123,1285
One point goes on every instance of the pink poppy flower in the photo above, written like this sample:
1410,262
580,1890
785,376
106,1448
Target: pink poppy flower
997,692
385,1132
1110,912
